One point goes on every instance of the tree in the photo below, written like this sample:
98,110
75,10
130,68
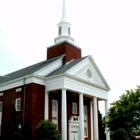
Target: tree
46,130
123,117
13,127
101,127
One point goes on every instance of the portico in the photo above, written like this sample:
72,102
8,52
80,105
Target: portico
82,89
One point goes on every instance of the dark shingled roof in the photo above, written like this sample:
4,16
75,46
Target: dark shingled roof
33,68
66,67
27,71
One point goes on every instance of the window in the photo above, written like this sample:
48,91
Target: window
89,73
69,30
18,104
20,126
54,105
85,122
0,106
74,108
85,132
55,111
85,110
59,30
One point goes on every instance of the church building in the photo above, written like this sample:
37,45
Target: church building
65,88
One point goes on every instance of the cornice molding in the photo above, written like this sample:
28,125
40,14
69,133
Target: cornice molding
78,79
44,81
19,82
76,85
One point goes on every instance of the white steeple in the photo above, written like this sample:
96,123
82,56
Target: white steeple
64,28
64,12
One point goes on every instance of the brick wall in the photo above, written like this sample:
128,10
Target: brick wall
34,106
7,98
35,100
64,48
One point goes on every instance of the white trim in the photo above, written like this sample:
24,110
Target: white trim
77,67
60,81
60,38
41,80
77,85
50,68
88,60
77,78
18,105
99,72
19,82
87,73
63,42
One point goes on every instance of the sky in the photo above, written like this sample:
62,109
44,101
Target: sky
108,30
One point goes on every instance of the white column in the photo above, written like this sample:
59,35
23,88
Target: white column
96,133
81,114
64,115
106,110
91,120
46,116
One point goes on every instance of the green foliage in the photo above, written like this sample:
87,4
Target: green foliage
123,118
13,127
101,127
46,130
120,134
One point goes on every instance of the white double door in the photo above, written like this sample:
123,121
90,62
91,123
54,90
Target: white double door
74,133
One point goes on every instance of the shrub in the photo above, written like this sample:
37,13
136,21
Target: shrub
46,130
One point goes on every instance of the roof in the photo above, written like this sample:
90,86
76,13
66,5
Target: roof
27,71
66,67
33,68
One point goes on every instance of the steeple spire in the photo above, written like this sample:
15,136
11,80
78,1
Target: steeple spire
64,28
64,12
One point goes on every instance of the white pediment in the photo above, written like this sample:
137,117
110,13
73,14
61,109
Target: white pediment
88,71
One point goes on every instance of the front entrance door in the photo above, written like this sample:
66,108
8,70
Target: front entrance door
74,128
74,133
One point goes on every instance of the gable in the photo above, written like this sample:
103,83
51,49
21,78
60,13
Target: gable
50,68
42,68
88,71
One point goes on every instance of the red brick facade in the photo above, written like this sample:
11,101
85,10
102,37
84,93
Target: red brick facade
71,52
35,101
34,106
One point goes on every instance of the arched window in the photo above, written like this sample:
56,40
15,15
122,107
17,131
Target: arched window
69,30
59,30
